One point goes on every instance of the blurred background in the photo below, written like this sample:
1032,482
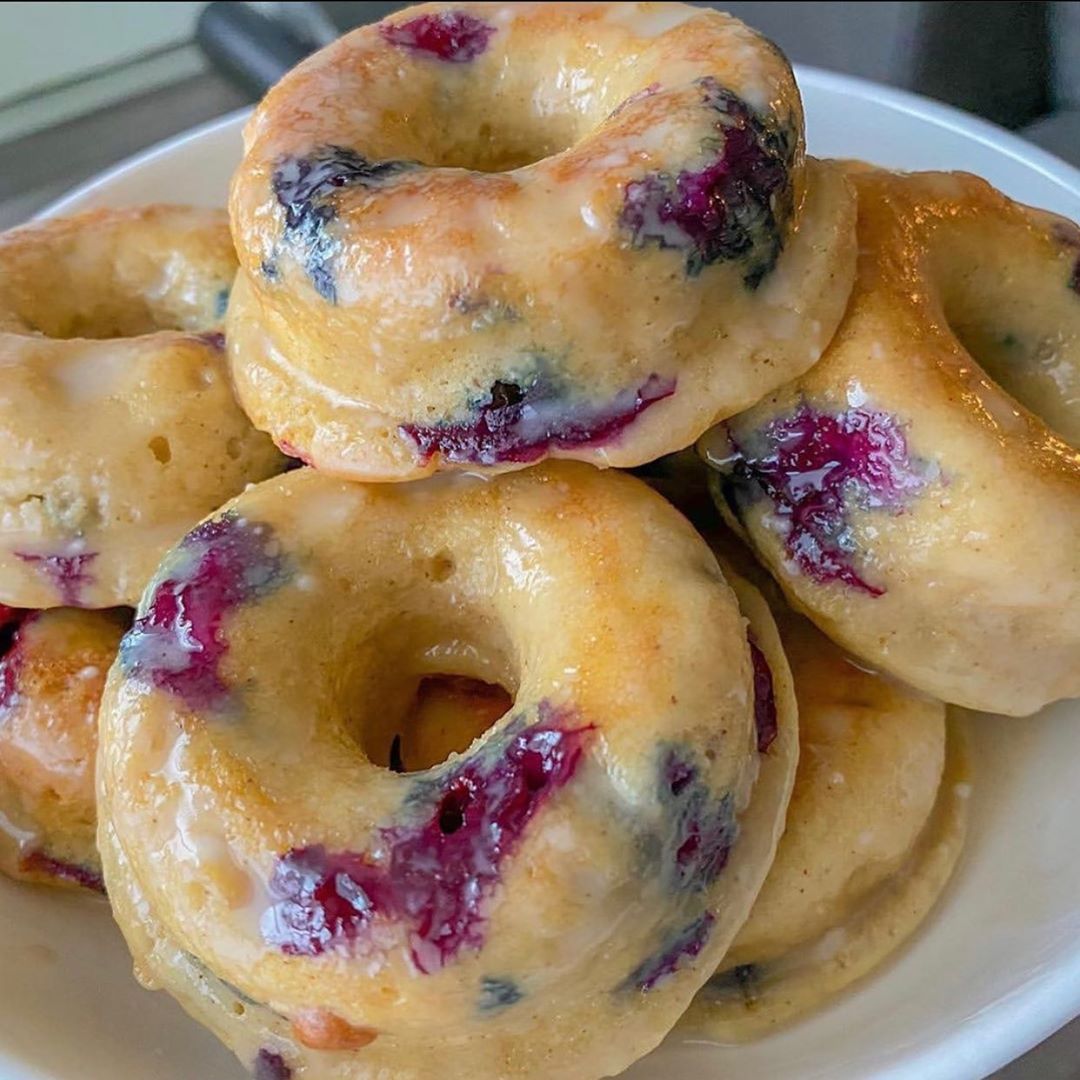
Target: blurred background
84,85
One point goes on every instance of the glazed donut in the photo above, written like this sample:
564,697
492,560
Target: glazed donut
118,428
52,671
874,828
480,235
917,493
545,902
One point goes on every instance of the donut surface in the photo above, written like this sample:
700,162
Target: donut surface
874,828
917,493
118,428
545,902
479,235
52,671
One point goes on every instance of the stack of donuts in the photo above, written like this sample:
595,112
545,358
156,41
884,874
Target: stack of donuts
438,742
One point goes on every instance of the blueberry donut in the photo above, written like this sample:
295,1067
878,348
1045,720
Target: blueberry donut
118,428
917,493
479,235
52,671
874,829
543,902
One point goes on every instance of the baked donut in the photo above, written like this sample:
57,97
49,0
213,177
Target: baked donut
118,428
544,902
917,493
479,235
874,828
52,671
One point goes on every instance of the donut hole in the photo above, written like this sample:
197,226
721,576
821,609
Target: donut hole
114,279
1019,327
445,715
529,114
427,686
500,144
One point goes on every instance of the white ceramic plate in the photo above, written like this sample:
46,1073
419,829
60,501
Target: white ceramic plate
996,969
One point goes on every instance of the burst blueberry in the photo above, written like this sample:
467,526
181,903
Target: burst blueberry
436,870
455,37
738,205
306,186
178,639
815,467
521,423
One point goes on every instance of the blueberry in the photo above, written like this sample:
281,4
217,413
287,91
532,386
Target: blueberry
177,640
737,206
454,36
814,466
522,423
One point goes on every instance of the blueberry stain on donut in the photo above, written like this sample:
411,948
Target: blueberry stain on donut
178,638
455,37
214,338
523,421
306,188
765,721
498,994
737,205
681,945
69,574
270,1065
814,467
41,862
434,871
699,827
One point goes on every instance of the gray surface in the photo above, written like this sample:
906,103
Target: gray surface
873,40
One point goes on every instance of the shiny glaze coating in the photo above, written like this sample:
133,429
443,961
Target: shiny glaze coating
52,671
118,428
545,902
479,235
917,493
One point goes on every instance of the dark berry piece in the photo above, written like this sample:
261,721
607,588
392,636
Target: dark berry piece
454,36
498,994
765,719
270,1065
